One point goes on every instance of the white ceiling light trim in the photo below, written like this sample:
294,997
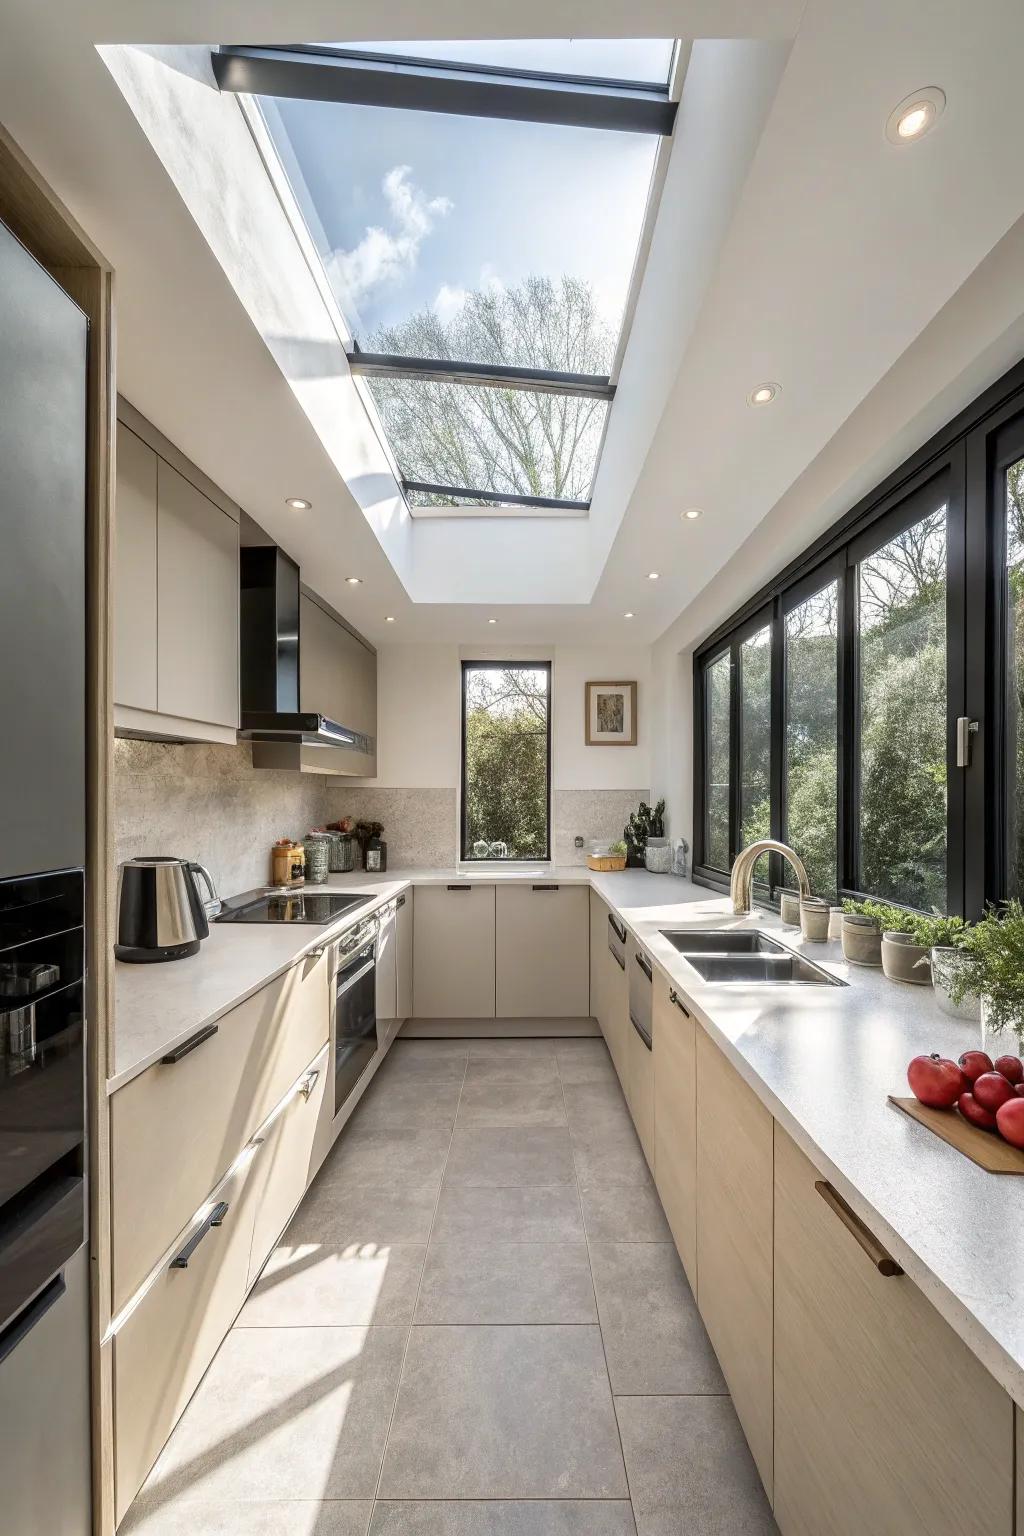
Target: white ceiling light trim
764,394
912,118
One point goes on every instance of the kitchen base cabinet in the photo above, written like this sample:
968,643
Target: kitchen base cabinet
598,960
177,1128
675,1120
286,1162
542,967
164,1346
453,952
387,974
884,1420
639,1084
617,1025
403,923
734,1241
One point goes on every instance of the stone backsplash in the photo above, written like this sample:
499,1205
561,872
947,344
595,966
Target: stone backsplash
420,826
589,813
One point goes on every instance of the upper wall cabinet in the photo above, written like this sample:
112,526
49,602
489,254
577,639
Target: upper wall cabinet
176,594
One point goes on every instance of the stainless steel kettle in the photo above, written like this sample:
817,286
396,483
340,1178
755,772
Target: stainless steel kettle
161,915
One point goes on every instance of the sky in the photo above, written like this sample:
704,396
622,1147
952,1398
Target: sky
412,209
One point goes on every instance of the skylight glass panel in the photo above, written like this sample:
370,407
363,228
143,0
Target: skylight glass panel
643,61
437,232
500,442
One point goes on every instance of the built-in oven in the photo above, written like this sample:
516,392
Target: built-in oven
353,1007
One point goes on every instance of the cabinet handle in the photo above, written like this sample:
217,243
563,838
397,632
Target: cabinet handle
674,997
190,1044
459,887
644,966
644,1036
309,1082
400,902
25,1320
883,1261
618,929
215,1219
619,961
544,887
318,953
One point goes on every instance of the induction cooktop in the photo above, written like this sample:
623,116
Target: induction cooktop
282,905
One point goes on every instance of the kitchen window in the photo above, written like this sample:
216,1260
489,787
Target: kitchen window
867,707
481,212
506,760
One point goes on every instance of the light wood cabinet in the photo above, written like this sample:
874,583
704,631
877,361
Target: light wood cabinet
164,1346
405,939
135,680
617,1024
598,959
197,604
884,1419
639,1085
542,964
177,1128
286,1161
453,952
734,1240
675,1119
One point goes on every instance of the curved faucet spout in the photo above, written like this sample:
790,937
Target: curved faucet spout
742,882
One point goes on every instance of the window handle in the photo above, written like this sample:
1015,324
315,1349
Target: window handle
965,729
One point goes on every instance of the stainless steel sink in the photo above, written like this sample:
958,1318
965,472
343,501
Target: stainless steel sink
722,941
746,958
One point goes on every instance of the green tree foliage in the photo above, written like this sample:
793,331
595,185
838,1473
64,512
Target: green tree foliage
511,441
1015,674
506,762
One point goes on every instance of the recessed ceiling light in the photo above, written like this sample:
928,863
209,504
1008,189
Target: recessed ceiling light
492,621
764,394
389,618
354,581
914,116
627,615
692,513
653,575
298,503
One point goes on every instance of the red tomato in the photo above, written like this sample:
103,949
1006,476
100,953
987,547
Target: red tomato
974,1063
936,1081
1011,1067
972,1111
1010,1121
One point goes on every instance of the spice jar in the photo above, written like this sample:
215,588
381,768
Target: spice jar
316,846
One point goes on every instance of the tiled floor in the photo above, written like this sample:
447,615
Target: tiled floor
476,1325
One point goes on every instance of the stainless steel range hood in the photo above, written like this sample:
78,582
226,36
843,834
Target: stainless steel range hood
308,682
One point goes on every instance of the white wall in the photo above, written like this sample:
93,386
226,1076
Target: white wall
419,714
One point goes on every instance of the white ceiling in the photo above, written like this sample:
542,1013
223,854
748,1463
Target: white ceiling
795,243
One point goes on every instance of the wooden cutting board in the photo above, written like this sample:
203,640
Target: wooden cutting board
985,1148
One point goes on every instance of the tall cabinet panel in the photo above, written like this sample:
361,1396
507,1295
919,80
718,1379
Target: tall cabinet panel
543,951
453,952
135,574
197,603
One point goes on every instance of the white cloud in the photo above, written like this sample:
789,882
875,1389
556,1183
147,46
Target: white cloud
384,255
449,302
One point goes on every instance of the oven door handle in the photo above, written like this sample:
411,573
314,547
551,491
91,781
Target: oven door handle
350,981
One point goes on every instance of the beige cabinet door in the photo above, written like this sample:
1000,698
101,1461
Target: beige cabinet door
197,604
453,952
405,937
884,1419
639,1084
286,1162
734,1240
135,604
675,1119
598,958
617,1025
542,951
387,974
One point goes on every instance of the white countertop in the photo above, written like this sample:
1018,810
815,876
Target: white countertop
821,1059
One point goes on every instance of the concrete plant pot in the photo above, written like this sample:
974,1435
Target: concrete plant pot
862,942
944,961
902,960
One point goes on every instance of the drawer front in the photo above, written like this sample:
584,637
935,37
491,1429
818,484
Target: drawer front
675,1122
617,1016
163,1348
641,1091
286,1161
884,1419
178,1127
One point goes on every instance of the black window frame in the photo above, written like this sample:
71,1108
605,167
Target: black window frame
971,451
490,664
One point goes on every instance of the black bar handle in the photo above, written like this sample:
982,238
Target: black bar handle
215,1219
544,887
460,887
619,960
618,929
644,1036
644,965
189,1045
674,997
21,1325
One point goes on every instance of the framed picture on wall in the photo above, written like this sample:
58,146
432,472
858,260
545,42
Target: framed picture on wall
611,714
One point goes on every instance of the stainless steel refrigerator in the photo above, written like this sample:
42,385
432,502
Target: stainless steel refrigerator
44,1279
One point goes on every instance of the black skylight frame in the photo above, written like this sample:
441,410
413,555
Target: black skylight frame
321,73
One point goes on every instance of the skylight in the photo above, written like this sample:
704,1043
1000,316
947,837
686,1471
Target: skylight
478,209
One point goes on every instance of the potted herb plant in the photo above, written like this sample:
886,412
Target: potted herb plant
944,938
646,822
992,968
862,932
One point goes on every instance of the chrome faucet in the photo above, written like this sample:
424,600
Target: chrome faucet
741,884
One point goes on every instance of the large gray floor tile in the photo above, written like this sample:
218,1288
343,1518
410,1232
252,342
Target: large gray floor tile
343,1216
507,1283
537,1155
499,1517
616,1214
512,1061
369,1155
531,1214
690,1471
425,1061
608,1153
292,1517
286,1413
584,1061
511,1104
408,1103
653,1335
589,1105
335,1284
503,1413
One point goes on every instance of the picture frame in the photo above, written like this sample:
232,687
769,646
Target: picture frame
610,714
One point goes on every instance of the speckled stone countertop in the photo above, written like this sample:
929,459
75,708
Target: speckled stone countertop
822,1060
